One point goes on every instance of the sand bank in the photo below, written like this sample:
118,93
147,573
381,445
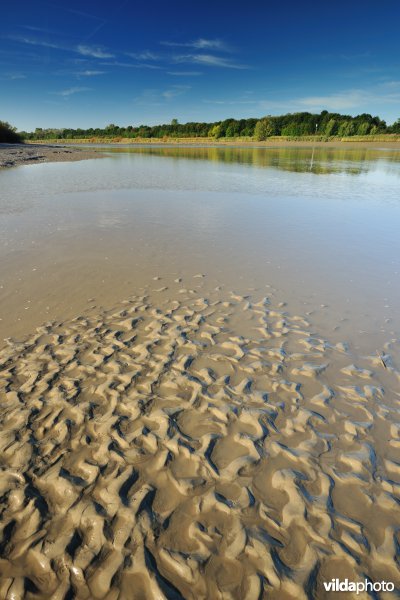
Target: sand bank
12,155
195,446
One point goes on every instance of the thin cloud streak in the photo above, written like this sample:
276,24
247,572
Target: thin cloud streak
176,90
82,49
93,51
36,42
144,55
14,76
117,63
71,91
154,97
89,73
185,73
231,102
200,44
209,60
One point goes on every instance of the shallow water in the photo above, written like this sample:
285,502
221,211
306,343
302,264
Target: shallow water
320,227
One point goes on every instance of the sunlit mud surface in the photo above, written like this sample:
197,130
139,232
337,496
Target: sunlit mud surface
195,446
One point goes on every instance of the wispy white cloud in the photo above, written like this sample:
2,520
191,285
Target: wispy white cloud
199,44
14,76
149,97
144,55
157,97
82,49
231,102
89,73
175,90
36,42
185,73
356,56
93,51
147,59
209,60
38,29
138,65
71,91
203,44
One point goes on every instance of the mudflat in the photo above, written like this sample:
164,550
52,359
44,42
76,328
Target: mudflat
199,375
12,155
195,446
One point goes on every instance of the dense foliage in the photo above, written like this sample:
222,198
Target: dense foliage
8,134
325,124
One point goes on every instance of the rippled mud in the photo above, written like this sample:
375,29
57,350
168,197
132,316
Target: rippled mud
196,447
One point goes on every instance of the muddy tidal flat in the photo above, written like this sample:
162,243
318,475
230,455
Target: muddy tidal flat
200,375
12,155
201,446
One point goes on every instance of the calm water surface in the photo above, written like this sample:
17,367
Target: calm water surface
319,227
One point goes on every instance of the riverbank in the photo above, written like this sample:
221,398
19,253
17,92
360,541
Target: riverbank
12,155
382,141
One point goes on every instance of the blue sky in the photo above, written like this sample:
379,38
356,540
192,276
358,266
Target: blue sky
88,64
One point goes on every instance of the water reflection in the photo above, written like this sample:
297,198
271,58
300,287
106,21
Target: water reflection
321,161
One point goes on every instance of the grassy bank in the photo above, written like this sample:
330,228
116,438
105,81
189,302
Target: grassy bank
223,141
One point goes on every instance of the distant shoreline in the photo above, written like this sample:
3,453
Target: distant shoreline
273,142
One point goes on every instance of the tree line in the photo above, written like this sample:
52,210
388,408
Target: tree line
324,124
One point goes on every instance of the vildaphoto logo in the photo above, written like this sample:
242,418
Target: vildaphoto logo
337,585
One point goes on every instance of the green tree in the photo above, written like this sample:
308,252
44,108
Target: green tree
363,128
395,128
8,134
111,129
215,131
264,129
291,129
330,127
344,128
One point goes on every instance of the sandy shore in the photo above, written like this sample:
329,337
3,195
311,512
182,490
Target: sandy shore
195,446
12,155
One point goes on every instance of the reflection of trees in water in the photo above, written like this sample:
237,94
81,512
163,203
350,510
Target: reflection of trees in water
315,160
